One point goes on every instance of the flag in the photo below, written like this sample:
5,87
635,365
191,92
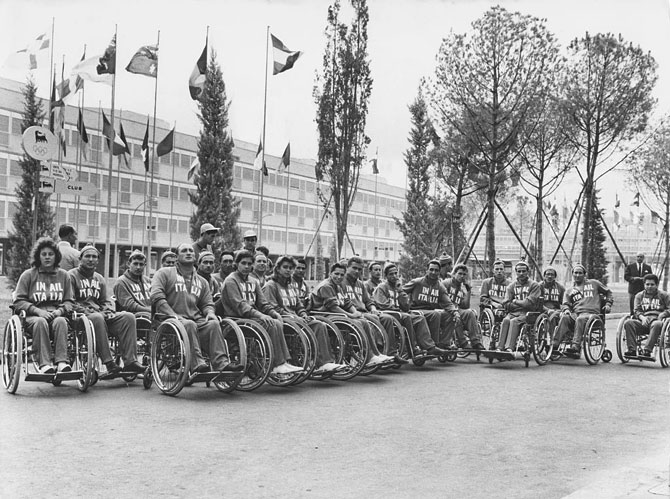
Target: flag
193,168
145,61
121,144
636,199
18,59
654,217
107,130
145,147
99,69
259,157
375,170
284,59
617,203
61,130
83,134
53,104
166,145
196,82
285,159
79,81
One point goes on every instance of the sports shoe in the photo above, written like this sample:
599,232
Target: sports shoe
286,368
328,367
437,351
64,367
47,369
375,361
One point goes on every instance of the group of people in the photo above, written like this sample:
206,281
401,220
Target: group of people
434,309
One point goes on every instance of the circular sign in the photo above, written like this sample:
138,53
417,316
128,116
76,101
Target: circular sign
39,143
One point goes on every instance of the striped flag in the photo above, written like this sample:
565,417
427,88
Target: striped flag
285,159
193,168
145,147
259,158
196,83
284,58
83,134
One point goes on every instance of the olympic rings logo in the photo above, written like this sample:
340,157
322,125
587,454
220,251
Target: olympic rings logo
40,150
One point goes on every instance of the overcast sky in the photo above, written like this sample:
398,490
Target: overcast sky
404,37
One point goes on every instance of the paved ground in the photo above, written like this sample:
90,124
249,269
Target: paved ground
465,429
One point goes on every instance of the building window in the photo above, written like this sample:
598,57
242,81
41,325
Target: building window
138,187
17,125
4,130
15,169
164,190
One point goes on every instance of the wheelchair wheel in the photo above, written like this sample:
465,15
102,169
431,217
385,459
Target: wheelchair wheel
487,326
82,355
401,339
12,352
260,355
594,339
309,364
170,357
376,332
664,344
541,340
143,327
300,351
337,346
621,344
237,352
355,348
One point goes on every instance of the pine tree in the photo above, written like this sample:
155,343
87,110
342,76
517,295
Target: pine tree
27,194
213,197
596,261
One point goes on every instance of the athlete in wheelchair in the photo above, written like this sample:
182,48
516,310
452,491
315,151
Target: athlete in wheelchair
491,297
459,292
582,321
642,331
42,306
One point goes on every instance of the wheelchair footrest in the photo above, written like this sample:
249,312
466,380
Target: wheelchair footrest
228,377
68,376
204,377
46,378
425,357
495,354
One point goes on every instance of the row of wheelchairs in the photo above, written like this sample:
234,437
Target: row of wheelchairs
660,351
164,348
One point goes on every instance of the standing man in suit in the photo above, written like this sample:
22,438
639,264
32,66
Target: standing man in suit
634,275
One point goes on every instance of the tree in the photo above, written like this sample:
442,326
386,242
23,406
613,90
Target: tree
418,227
484,86
28,198
341,93
608,98
595,249
649,170
213,197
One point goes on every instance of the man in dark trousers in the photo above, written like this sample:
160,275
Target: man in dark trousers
634,275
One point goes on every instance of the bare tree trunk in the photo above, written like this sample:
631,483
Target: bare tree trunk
586,224
490,222
539,243
666,225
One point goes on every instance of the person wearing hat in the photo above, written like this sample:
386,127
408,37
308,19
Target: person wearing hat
580,301
249,241
364,303
552,297
390,297
205,269
282,293
634,276
181,293
428,295
459,292
68,247
93,300
133,288
446,264
169,259
493,290
521,298
207,234
652,307
375,279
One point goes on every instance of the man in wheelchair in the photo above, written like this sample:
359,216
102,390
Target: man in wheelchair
652,306
552,297
582,300
133,289
521,298
459,292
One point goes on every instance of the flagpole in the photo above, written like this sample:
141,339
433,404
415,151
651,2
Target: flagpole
97,166
374,229
151,183
172,193
288,183
79,152
262,172
147,186
61,125
110,171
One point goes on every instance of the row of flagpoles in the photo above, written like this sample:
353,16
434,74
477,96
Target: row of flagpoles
103,69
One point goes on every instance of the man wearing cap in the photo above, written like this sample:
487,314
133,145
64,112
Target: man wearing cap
375,279
521,298
459,292
207,234
446,264
133,288
390,297
68,247
181,293
428,295
92,299
552,297
249,241
652,307
205,269
169,259
634,276
580,301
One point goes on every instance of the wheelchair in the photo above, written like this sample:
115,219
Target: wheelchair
662,347
302,348
528,343
170,359
489,324
405,350
383,347
593,342
353,351
17,354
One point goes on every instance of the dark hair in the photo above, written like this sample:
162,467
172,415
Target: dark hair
498,262
240,255
264,250
337,265
65,230
301,260
166,255
283,259
651,277
373,263
460,266
137,255
45,242
354,259
433,262
228,253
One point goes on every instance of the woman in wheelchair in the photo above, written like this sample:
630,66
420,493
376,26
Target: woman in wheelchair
44,293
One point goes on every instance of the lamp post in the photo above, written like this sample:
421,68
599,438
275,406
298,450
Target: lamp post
132,229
